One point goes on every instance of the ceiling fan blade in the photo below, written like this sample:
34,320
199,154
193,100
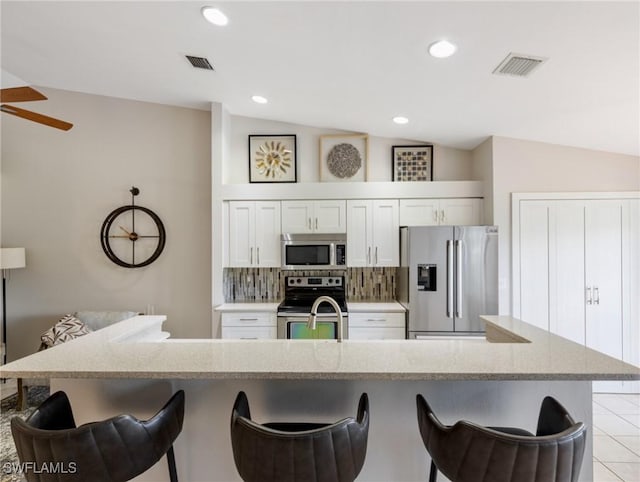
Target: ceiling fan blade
35,117
20,94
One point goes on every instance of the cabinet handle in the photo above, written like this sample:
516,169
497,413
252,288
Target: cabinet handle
596,295
258,255
435,215
248,319
442,216
376,255
369,255
376,319
316,224
251,256
588,295
248,337
309,220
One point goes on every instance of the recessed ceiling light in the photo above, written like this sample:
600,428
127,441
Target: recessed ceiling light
214,16
442,49
259,99
400,120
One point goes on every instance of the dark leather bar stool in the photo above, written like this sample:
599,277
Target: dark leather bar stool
116,449
466,452
294,452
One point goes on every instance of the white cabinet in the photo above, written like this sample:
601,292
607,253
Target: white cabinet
249,325
314,216
576,271
373,233
254,234
435,212
377,326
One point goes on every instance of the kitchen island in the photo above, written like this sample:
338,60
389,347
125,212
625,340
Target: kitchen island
132,367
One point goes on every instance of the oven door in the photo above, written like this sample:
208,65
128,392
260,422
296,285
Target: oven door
294,327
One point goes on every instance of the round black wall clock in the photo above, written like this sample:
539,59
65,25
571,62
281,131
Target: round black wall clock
132,236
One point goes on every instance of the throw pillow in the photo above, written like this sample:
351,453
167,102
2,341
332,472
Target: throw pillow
68,328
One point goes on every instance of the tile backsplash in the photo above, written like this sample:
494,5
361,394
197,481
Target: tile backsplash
267,284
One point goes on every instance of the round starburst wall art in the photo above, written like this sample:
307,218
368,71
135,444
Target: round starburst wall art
272,158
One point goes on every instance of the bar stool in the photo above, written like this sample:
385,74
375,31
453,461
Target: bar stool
466,452
116,449
289,452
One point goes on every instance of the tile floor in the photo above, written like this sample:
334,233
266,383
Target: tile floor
616,437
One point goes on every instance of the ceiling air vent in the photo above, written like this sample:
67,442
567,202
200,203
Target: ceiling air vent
199,62
519,65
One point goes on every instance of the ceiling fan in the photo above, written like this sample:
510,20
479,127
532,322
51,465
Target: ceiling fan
26,94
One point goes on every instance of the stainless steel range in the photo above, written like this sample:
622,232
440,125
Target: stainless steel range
299,294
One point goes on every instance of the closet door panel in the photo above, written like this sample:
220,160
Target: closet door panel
603,275
534,263
566,266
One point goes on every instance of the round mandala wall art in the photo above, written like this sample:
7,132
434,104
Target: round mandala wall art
344,160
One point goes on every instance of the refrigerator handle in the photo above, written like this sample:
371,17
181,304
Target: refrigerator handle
449,278
459,295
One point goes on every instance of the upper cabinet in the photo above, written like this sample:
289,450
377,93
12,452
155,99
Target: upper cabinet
372,233
437,212
254,234
327,216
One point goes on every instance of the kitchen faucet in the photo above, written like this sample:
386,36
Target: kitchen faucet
311,323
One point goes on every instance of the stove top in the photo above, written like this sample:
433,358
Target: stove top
301,291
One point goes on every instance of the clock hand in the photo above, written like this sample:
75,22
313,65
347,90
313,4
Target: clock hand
128,233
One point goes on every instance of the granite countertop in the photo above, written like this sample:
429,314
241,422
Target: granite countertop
134,348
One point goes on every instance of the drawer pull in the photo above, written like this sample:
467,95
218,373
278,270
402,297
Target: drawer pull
376,319
248,319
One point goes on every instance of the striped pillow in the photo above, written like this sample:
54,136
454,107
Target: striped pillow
68,328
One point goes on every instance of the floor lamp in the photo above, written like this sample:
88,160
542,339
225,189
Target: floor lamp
10,258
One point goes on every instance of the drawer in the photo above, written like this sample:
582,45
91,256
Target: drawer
248,318
379,320
249,332
376,333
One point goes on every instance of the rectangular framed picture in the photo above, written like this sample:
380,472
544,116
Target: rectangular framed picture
272,158
344,157
412,163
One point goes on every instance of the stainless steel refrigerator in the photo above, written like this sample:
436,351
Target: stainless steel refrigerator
448,277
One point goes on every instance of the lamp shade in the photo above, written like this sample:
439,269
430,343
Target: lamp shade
12,258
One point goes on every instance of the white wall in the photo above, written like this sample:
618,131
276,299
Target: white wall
527,166
449,164
57,188
482,170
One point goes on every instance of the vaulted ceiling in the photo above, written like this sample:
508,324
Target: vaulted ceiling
352,65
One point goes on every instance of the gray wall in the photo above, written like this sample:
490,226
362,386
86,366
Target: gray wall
57,188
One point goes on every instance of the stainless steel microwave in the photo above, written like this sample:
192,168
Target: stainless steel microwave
314,251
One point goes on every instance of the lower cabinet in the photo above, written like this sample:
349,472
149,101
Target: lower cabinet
249,326
377,326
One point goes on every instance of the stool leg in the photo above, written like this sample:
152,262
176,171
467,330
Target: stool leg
173,474
433,473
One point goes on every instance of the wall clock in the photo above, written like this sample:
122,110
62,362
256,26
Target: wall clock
132,236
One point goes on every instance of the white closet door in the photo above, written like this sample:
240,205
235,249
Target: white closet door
603,275
534,263
566,270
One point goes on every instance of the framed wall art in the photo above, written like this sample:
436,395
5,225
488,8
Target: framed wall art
412,163
343,157
272,158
